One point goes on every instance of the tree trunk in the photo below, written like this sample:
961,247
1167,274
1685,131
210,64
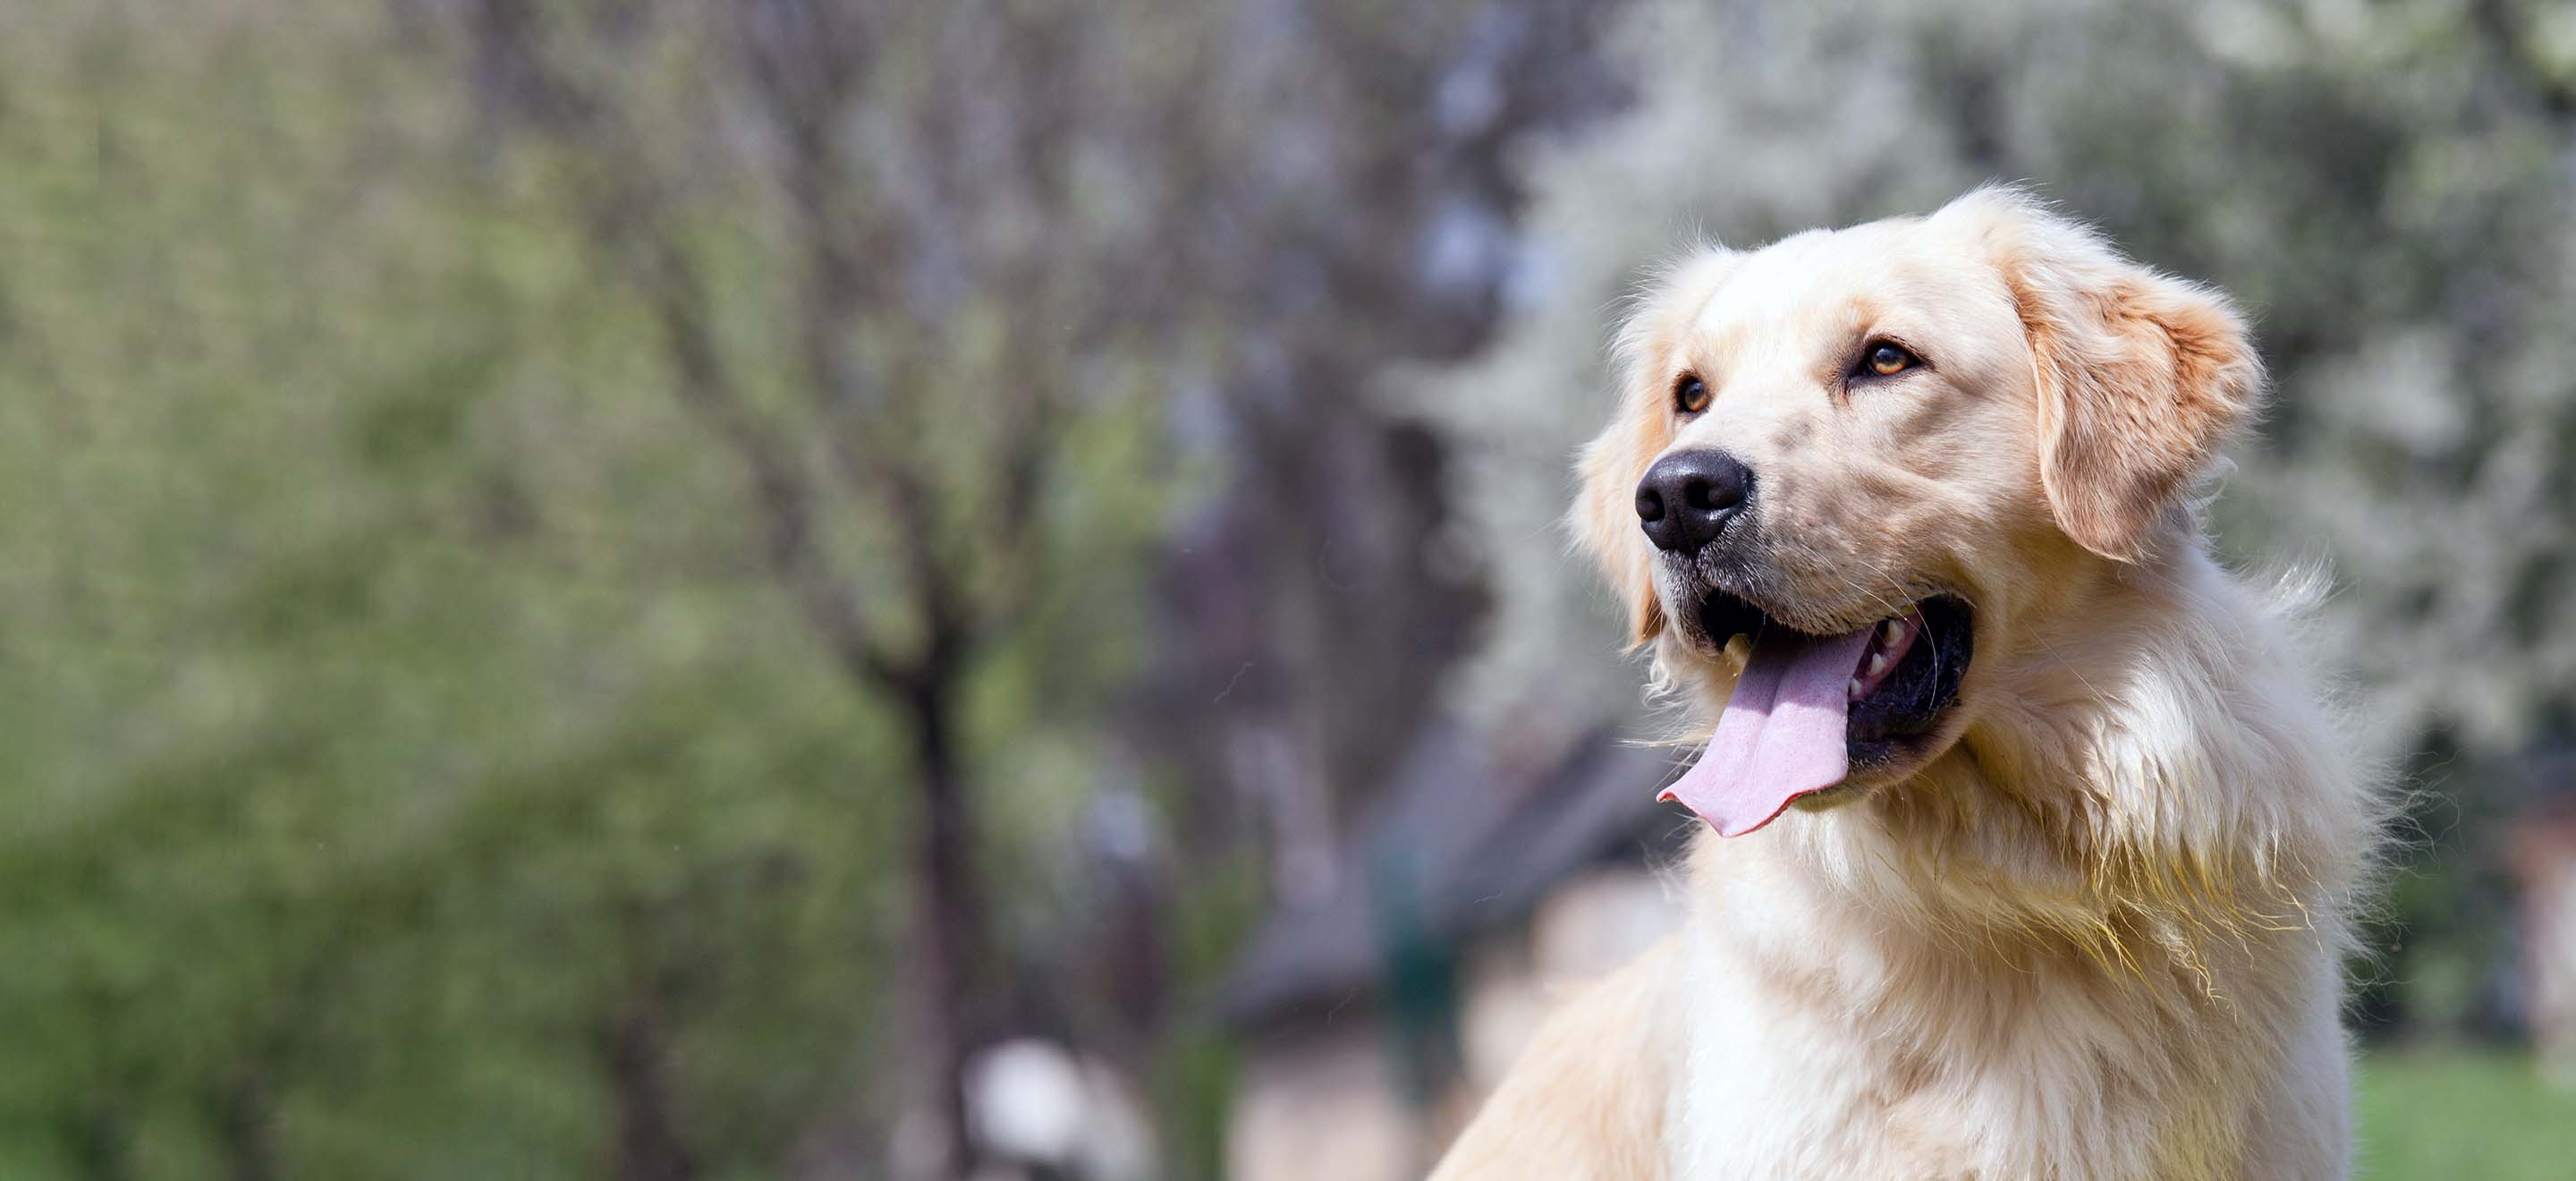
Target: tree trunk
648,1142
242,1116
948,919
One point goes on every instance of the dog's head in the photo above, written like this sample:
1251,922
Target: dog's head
1849,464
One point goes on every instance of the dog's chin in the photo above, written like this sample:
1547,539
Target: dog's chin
1908,714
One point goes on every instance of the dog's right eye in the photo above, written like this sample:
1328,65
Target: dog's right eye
1690,395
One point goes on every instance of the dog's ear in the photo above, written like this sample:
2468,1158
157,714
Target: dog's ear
2142,377
1604,519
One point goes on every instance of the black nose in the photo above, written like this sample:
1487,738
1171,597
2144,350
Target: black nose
1688,497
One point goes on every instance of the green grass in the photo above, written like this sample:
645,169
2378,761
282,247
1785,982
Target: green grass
2463,1113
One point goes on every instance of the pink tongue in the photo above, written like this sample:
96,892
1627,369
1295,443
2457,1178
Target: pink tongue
1781,736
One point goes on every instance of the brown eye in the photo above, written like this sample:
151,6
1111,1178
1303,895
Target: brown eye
1690,396
1887,360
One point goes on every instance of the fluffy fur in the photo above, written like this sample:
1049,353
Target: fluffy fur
2096,930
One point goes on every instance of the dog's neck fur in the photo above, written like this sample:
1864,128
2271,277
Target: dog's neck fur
2090,787
2082,846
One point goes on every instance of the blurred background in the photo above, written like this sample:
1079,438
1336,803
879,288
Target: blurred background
853,588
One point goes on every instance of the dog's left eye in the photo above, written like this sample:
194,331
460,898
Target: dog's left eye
1886,359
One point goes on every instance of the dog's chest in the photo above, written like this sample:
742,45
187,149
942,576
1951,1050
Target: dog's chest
1799,1091
1796,1074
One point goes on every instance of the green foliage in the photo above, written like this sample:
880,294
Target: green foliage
399,709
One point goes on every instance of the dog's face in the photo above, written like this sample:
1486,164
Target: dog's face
1924,428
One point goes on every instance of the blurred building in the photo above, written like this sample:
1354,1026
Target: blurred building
1487,883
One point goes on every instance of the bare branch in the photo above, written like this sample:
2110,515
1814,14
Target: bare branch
623,219
785,495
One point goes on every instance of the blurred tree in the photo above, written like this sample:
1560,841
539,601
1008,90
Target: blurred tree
538,524
945,217
1320,595
982,228
386,763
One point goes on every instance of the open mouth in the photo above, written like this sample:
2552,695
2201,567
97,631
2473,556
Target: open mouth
1808,710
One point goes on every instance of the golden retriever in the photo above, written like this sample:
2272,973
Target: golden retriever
2032,843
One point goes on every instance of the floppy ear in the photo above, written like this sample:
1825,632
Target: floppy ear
2142,377
1604,519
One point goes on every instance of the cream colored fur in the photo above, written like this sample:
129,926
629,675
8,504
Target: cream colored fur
2097,930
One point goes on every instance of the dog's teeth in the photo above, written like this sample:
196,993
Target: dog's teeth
1893,632
1877,664
1855,688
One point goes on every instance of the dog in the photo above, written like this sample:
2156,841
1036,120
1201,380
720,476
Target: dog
2033,847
